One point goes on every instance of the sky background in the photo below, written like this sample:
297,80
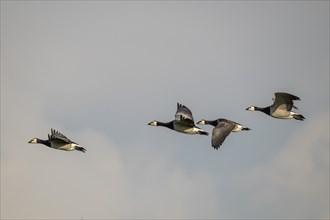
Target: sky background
100,71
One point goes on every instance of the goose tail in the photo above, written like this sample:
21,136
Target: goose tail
245,128
298,117
80,149
201,132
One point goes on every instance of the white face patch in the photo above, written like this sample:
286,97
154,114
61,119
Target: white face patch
153,123
33,141
251,108
202,122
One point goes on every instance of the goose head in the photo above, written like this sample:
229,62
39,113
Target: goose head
34,141
251,108
153,123
201,122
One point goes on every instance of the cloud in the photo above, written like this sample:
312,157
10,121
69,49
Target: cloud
99,78
41,183
296,178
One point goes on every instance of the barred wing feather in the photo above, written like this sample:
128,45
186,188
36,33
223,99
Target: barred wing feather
183,113
55,135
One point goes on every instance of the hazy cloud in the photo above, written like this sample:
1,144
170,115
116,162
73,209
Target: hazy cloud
99,72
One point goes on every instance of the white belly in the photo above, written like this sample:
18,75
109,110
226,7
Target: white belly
185,129
67,147
283,114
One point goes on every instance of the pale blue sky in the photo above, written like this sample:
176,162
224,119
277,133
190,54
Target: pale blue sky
100,71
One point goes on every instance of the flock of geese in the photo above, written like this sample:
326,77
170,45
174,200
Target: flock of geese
184,123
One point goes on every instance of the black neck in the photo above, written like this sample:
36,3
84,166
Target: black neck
265,110
166,124
214,123
45,142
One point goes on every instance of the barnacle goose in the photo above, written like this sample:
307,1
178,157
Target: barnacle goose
183,122
222,129
281,108
58,141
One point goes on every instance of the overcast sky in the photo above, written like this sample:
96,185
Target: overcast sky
100,71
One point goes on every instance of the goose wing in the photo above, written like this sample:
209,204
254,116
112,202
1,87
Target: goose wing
55,135
183,114
220,132
284,101
295,107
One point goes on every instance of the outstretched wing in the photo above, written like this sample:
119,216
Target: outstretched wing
295,107
55,135
284,101
183,113
220,133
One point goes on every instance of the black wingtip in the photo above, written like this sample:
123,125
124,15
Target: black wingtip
52,131
179,105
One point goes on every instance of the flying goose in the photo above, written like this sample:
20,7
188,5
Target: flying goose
58,141
184,122
281,108
222,129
